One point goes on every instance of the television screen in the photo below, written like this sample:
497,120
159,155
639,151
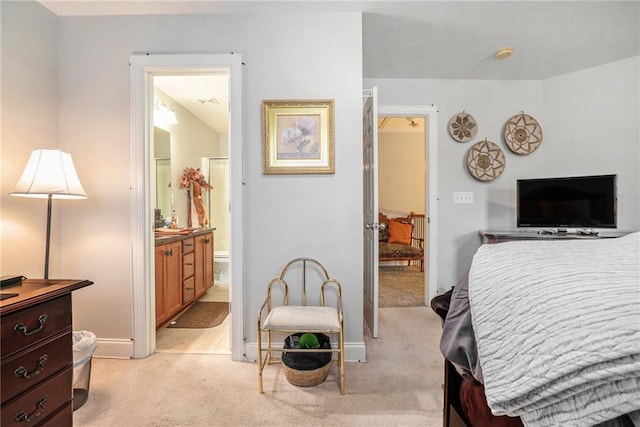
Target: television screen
580,202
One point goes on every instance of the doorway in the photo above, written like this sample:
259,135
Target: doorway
143,68
402,193
191,129
430,116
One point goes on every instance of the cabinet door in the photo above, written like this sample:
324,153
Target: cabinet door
161,311
208,265
173,289
203,263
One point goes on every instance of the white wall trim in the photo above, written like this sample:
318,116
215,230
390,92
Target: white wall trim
430,113
143,66
114,348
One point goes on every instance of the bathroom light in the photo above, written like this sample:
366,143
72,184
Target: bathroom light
163,115
49,174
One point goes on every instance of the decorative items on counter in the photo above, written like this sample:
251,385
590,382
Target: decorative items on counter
193,181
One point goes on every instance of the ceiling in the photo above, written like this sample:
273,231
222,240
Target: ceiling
205,96
443,39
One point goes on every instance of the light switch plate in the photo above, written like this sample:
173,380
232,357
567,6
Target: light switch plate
463,197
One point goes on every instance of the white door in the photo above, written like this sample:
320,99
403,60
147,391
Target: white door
370,208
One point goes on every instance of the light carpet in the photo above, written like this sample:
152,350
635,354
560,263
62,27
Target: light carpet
400,286
399,385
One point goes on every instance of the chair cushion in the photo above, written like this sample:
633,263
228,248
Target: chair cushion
302,318
396,250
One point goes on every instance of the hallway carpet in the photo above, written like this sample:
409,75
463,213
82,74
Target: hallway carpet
400,286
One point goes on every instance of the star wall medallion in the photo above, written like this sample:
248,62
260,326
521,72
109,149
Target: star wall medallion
485,161
522,134
463,127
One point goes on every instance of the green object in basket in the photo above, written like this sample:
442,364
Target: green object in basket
309,341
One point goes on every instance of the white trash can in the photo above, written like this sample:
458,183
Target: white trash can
84,345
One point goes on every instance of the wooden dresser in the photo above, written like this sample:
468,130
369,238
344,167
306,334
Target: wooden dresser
36,353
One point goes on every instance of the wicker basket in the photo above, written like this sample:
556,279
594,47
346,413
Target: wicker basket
306,369
306,378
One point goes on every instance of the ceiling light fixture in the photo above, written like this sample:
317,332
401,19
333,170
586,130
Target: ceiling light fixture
208,101
163,115
504,53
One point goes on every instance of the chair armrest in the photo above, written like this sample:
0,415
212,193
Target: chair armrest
338,288
267,302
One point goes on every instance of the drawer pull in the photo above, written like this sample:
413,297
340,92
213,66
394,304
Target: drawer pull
189,289
188,244
23,417
24,329
206,241
188,263
22,372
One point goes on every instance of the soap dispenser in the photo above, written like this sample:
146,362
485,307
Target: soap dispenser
174,219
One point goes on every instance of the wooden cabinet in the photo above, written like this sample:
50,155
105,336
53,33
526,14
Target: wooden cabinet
183,272
36,353
168,272
204,263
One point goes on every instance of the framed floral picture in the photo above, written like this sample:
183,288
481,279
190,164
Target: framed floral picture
298,136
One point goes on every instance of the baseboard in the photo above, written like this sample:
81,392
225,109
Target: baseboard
123,349
114,348
353,351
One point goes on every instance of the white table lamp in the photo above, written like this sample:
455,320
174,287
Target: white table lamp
49,174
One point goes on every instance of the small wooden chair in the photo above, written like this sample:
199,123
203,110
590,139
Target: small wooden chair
290,319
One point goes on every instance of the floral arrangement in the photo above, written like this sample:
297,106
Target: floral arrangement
191,175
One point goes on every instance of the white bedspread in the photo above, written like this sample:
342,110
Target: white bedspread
557,325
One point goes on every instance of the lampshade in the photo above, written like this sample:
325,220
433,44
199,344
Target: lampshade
49,172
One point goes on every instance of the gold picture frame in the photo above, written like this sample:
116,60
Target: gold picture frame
298,137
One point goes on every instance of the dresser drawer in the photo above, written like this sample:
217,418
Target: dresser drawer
187,266
63,418
187,245
26,369
40,402
35,323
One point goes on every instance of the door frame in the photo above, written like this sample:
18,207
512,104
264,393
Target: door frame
430,114
143,66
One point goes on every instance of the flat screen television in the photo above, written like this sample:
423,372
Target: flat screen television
570,202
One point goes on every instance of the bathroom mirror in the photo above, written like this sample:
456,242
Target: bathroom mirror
162,155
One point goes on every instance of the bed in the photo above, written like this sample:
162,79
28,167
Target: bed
545,333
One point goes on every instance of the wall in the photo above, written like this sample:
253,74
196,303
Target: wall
191,140
401,172
577,112
596,127
29,119
287,56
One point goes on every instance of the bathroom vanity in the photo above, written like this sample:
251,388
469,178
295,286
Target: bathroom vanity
183,271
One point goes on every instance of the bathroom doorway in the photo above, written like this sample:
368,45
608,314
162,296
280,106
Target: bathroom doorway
193,111
144,69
